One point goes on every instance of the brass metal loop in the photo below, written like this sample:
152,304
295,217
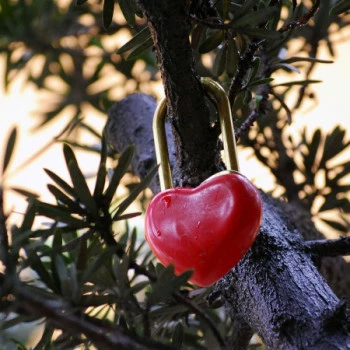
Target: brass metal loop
226,123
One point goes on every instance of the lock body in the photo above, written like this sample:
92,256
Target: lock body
207,229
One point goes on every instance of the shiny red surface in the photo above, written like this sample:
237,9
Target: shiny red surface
208,228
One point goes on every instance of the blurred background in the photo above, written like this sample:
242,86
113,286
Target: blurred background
61,70
60,66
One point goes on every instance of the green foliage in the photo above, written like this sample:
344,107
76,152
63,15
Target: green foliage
81,261
53,44
85,261
325,176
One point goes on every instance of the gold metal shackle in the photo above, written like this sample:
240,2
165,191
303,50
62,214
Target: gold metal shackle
228,136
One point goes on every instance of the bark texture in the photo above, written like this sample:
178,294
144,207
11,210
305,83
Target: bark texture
276,289
196,150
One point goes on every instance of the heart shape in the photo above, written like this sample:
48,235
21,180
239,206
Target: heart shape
207,229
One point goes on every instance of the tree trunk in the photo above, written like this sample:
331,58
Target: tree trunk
275,290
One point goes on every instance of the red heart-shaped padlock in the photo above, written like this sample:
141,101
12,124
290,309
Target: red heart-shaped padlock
208,228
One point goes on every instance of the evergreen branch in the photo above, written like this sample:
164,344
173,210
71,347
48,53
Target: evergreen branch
244,64
199,312
253,116
303,20
176,295
182,299
330,247
66,320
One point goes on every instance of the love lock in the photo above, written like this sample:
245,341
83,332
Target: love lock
207,229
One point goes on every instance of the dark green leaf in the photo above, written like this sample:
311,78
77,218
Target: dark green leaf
220,61
255,67
127,216
132,244
178,335
98,262
136,191
123,240
137,40
140,49
102,171
10,145
232,58
37,265
286,67
29,217
149,255
119,172
259,81
128,11
255,18
59,214
24,192
108,9
212,42
75,243
305,59
197,35
56,247
11,322
63,184
244,8
62,198
299,82
225,9
79,182
340,7
167,283
81,2
45,339
136,288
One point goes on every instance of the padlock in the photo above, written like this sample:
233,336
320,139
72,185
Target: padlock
209,228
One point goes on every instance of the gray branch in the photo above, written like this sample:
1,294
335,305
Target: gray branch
276,289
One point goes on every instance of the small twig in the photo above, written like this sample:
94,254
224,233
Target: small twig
256,113
243,66
246,125
303,20
330,247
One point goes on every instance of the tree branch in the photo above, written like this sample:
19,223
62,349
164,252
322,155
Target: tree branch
276,289
197,152
106,338
330,247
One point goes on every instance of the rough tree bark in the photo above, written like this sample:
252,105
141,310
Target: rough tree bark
197,149
275,290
